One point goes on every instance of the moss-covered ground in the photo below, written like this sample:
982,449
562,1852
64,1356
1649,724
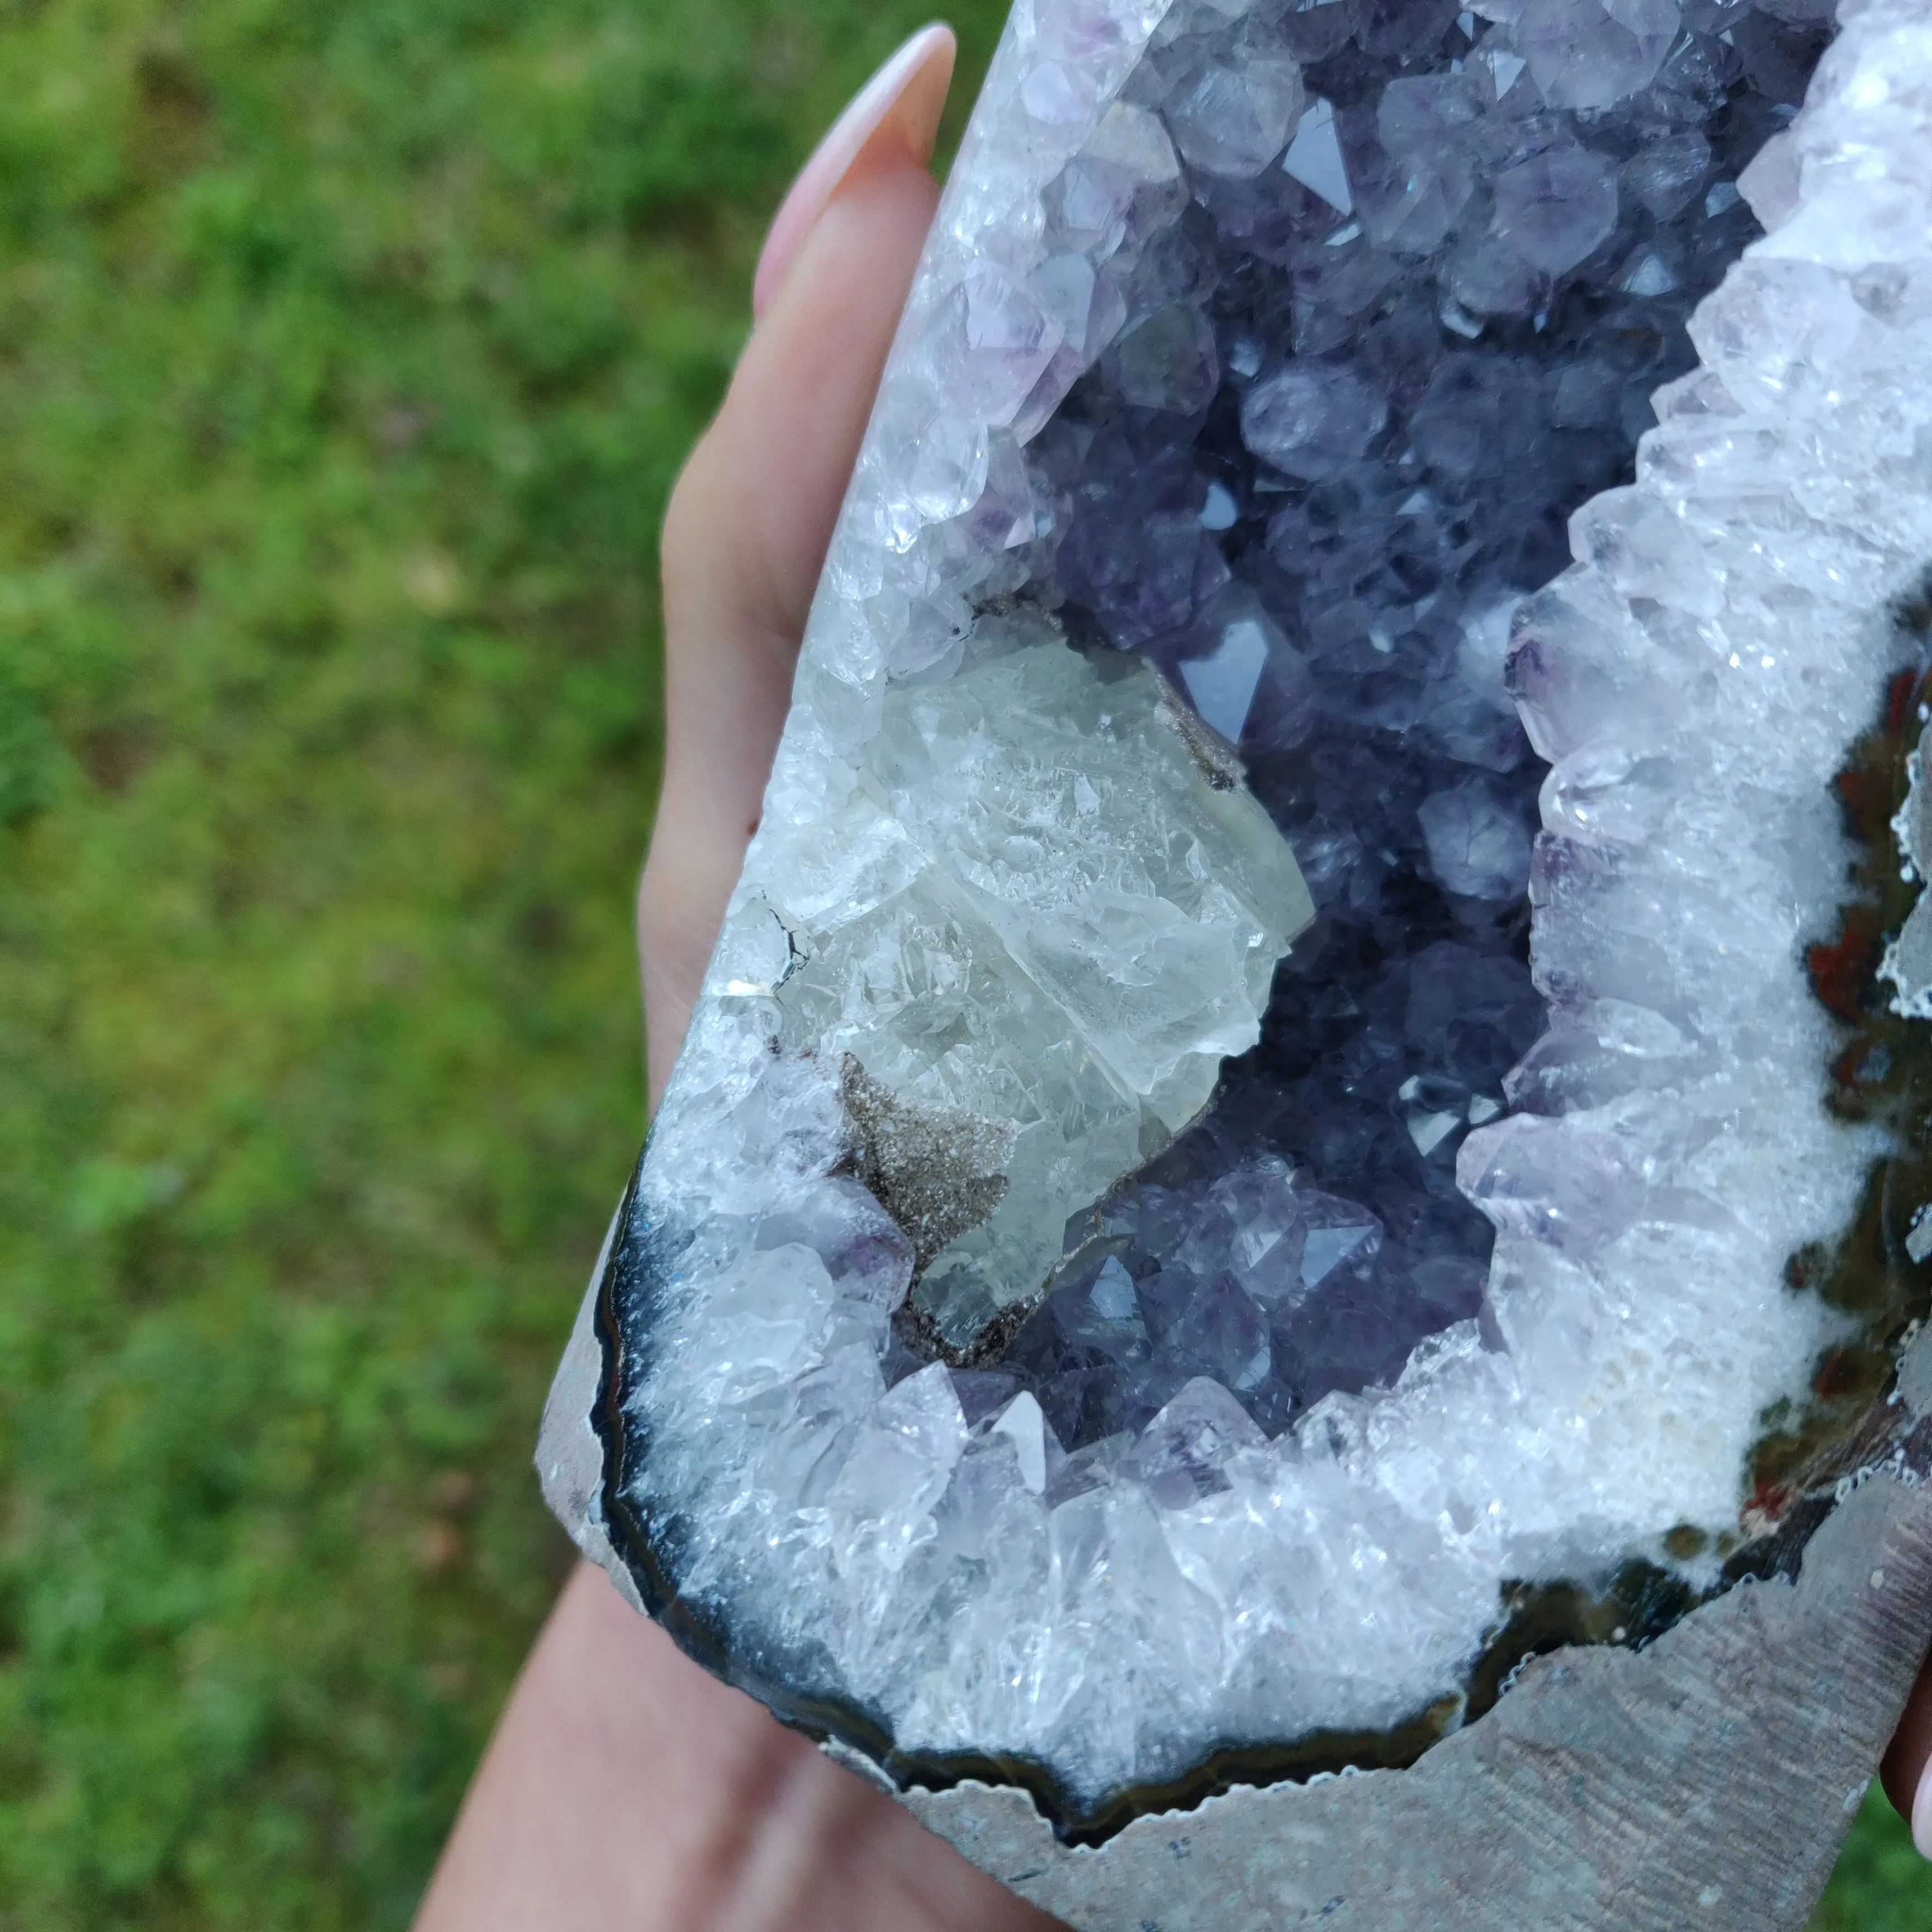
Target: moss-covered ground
347,350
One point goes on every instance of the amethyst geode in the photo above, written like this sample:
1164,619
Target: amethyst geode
1249,1128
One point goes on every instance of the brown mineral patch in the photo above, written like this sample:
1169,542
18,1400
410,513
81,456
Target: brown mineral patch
1217,760
936,1170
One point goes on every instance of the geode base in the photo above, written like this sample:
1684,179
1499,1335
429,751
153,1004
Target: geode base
1700,1781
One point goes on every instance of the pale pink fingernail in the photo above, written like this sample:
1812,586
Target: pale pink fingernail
910,90
1922,1812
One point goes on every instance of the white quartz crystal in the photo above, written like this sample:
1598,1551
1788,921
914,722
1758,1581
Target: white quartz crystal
933,898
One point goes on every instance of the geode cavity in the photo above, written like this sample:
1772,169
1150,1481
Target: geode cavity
1249,1128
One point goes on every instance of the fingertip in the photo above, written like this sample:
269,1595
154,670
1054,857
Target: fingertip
894,118
1903,1774
919,108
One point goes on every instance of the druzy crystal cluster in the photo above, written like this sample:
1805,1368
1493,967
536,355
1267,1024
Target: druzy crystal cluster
1259,1084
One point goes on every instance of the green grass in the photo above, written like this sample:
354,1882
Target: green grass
347,352
1881,1885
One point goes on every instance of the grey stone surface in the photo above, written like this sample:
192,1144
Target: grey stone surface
1704,1782
570,1458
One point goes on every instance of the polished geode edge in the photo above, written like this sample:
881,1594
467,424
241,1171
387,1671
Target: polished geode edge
590,1438
1699,1779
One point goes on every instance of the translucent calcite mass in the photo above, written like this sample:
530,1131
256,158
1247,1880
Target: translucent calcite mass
1046,912
1260,1085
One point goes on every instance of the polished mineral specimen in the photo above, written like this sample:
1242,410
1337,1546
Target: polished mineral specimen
1047,911
1076,1316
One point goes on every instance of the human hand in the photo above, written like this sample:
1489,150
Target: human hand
626,1790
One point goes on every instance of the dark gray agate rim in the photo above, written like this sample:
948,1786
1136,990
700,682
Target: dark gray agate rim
1633,1607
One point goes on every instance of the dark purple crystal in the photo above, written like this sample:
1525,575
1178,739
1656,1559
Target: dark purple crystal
1367,386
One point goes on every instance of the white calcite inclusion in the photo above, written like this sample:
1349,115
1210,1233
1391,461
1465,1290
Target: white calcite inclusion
1693,680
1046,913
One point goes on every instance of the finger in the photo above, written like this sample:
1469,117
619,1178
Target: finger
626,1788
903,101
1904,1772
746,531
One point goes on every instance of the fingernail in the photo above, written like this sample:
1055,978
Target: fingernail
905,97
1922,1812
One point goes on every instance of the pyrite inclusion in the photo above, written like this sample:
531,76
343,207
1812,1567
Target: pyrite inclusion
1077,1319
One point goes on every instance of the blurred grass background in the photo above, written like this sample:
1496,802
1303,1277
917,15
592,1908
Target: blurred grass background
347,353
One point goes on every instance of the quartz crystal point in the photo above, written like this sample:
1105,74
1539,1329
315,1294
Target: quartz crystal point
1075,1318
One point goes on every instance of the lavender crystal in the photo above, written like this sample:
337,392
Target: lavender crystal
1437,319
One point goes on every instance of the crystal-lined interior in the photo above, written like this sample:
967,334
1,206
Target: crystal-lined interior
919,1559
